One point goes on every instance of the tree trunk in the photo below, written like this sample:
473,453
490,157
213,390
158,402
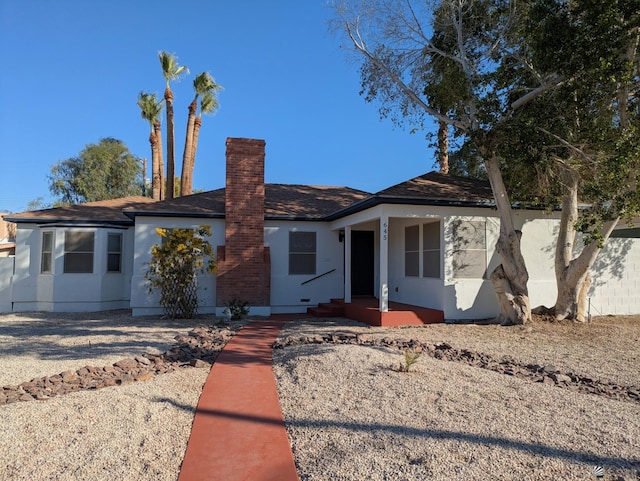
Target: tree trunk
443,147
510,277
160,172
572,275
155,179
171,166
196,133
186,179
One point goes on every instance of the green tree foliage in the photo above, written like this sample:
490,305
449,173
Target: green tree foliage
175,264
106,170
579,141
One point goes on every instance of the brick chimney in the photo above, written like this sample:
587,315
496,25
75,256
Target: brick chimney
244,267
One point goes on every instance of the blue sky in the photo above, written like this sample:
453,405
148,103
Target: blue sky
72,71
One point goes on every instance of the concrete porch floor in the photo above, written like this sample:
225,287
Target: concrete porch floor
366,309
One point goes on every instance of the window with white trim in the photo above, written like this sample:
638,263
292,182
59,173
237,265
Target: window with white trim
302,253
114,253
431,250
469,249
412,251
78,252
46,259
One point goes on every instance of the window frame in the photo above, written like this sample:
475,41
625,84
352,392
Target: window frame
430,249
44,252
411,251
312,255
72,255
461,254
114,253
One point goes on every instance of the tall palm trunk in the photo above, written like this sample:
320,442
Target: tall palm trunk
196,133
171,166
186,180
158,168
155,180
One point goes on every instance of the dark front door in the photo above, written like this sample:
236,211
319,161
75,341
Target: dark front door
362,263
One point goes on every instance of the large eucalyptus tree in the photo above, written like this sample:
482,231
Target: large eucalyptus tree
442,59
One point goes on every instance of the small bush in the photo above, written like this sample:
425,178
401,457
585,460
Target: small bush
410,358
236,309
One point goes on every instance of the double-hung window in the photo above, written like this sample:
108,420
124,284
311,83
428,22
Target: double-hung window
114,253
46,261
469,249
412,251
431,250
302,252
78,252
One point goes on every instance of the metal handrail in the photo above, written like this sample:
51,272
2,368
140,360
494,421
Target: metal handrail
316,277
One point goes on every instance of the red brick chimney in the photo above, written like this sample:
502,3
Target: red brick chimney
244,267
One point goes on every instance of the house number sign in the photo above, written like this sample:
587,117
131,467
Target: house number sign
384,231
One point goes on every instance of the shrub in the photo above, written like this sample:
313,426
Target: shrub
174,268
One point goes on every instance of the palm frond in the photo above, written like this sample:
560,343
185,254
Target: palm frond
170,68
204,83
150,107
208,103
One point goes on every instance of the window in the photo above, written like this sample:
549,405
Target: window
431,250
78,252
114,252
46,262
412,251
469,249
302,253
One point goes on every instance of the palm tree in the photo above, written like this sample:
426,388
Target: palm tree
203,84
150,110
208,104
171,71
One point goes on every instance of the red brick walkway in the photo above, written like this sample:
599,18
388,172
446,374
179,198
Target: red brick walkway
238,432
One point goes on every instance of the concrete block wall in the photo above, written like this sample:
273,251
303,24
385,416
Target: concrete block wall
616,278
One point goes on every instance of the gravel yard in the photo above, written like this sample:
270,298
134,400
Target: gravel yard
350,413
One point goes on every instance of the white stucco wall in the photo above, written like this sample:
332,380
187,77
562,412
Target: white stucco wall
288,293
61,292
142,301
6,274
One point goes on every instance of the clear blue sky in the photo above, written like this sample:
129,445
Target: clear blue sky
72,71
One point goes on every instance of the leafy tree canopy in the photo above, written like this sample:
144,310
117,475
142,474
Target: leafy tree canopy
106,170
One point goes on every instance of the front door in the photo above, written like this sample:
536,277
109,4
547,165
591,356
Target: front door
362,263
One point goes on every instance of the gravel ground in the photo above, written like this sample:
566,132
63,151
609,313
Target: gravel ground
350,414
136,432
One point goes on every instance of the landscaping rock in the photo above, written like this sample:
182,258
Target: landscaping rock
548,375
199,348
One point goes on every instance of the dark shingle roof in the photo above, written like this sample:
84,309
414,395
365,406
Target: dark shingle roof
282,201
436,186
103,212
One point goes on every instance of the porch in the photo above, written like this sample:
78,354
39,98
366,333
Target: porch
366,309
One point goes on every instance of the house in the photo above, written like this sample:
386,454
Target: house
427,243
7,236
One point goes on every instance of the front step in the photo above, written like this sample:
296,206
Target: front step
327,309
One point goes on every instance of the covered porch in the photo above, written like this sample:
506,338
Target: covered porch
378,287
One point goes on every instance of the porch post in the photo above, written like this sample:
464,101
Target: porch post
347,263
384,263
